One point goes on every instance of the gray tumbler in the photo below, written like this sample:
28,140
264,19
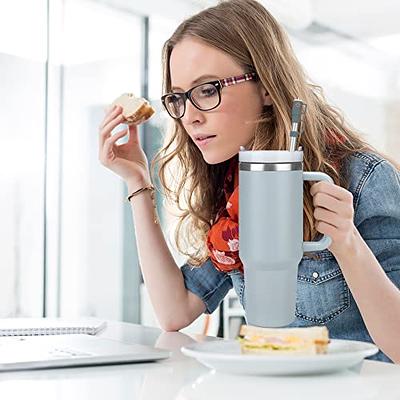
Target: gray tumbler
271,232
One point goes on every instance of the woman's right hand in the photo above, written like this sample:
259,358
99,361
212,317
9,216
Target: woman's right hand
127,160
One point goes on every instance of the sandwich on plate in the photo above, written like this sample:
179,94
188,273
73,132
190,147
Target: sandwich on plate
267,341
135,109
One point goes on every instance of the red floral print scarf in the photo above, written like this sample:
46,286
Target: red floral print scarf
223,237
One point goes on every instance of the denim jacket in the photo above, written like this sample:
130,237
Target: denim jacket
323,296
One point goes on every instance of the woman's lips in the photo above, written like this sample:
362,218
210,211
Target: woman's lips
201,142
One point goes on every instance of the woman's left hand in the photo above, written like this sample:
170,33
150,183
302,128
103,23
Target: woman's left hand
334,214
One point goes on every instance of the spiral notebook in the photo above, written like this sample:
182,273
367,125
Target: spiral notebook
49,326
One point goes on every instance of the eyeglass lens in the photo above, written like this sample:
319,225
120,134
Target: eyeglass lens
204,97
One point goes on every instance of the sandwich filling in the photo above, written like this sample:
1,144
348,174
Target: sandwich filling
313,340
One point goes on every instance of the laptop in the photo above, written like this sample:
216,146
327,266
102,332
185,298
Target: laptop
55,351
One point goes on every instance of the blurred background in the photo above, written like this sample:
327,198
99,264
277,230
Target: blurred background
66,234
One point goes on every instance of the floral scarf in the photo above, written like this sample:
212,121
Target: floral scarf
223,237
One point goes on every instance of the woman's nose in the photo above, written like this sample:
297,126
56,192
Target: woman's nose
192,114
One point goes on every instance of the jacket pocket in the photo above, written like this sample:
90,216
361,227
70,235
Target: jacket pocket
322,292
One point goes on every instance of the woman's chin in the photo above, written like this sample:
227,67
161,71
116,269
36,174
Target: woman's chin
213,159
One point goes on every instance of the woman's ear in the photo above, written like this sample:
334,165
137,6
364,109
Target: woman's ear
267,98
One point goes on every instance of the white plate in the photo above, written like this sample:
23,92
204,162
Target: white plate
225,356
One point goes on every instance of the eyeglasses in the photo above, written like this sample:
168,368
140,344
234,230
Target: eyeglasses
204,97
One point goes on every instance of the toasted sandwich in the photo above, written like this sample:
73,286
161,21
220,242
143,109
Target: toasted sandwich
256,340
135,109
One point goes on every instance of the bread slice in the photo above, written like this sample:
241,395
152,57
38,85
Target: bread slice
309,340
135,109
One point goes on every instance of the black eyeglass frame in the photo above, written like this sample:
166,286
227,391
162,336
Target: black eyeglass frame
219,84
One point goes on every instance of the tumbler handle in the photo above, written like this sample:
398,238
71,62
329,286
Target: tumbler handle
325,241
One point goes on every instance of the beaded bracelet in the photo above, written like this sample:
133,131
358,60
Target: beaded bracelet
151,188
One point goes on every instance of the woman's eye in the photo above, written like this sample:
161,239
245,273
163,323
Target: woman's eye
208,91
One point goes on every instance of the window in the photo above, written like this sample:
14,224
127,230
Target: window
22,163
102,53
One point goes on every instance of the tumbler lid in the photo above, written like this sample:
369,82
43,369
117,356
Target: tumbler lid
270,156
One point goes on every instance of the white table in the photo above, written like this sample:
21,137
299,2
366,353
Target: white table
180,377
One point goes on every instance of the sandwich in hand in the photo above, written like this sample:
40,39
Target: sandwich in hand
255,340
135,109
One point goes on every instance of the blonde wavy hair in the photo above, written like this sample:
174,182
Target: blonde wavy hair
248,33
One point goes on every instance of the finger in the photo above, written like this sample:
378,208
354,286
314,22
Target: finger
105,133
133,134
324,200
342,208
111,115
325,228
324,215
331,189
109,108
110,142
334,190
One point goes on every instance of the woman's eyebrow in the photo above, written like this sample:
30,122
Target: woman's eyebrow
197,80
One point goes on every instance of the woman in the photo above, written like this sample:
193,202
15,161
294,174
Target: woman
230,77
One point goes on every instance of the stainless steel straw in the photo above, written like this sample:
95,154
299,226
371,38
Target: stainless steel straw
298,111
